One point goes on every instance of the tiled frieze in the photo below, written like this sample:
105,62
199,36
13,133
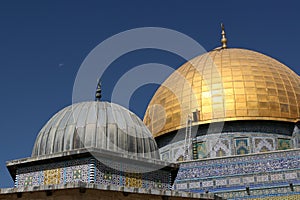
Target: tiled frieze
278,193
105,172
54,173
231,143
231,175
124,174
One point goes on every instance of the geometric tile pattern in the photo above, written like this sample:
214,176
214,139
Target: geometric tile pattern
76,174
54,173
124,174
220,148
52,177
28,181
133,180
266,174
81,170
263,144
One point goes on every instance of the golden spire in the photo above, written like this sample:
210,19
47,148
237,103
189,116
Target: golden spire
224,39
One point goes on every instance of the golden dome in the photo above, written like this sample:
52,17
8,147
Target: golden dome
225,85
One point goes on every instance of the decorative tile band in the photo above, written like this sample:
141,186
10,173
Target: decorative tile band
54,173
258,172
272,193
251,164
90,170
123,175
229,144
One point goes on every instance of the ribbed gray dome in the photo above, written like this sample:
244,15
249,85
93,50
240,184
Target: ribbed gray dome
100,125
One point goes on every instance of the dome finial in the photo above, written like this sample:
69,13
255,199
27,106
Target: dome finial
98,91
224,39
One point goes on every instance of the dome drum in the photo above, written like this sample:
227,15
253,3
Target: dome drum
280,129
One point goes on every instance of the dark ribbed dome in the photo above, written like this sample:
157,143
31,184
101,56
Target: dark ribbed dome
100,125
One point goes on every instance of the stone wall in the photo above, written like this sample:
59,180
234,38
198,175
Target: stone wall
78,191
74,194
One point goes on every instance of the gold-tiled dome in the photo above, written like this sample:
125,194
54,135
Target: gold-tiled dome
225,85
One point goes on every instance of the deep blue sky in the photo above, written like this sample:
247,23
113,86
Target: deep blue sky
43,43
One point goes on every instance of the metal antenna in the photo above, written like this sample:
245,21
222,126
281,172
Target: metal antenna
98,91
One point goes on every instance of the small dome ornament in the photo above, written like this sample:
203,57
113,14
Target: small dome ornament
224,39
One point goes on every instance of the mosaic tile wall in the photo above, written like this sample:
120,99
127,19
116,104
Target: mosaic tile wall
265,174
121,174
54,173
227,144
279,193
90,170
